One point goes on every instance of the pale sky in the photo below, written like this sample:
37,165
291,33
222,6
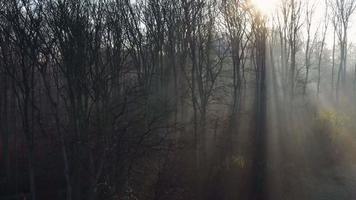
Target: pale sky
269,7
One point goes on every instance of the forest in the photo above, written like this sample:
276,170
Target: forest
177,99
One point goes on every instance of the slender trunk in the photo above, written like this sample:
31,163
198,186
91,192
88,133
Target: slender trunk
5,129
319,61
25,99
203,150
30,147
339,73
259,156
306,78
293,52
333,65
354,83
307,56
292,74
195,111
345,60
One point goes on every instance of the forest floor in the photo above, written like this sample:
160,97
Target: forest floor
317,162
309,158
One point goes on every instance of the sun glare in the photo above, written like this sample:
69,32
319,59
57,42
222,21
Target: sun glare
266,7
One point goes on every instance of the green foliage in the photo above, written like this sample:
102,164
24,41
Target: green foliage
239,162
333,122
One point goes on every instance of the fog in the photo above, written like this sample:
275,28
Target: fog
177,99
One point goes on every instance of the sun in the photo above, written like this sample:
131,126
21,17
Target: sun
266,7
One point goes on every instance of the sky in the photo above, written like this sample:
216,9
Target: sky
269,7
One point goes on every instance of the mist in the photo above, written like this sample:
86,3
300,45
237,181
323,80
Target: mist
177,99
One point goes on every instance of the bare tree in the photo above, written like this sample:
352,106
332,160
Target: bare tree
294,27
321,49
310,11
260,33
236,19
342,11
333,56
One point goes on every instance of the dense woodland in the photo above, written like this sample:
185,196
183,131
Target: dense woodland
177,99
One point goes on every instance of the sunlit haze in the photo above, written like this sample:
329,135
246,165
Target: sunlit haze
266,7
177,99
